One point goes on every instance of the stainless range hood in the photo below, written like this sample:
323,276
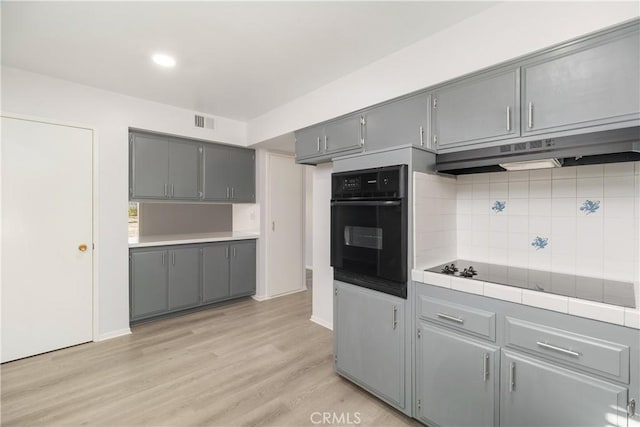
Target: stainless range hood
618,145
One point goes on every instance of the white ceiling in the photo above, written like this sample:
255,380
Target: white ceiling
234,59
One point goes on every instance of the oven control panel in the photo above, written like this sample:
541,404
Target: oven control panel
370,183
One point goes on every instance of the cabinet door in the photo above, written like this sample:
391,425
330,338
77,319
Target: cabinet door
243,268
215,272
592,86
309,142
536,393
457,379
149,283
243,175
149,163
343,135
480,109
184,278
184,170
216,173
369,340
398,123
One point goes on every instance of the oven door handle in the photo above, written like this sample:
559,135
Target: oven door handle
366,203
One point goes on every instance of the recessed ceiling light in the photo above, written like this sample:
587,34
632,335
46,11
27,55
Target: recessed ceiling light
163,60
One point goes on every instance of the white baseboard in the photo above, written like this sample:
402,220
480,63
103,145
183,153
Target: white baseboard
322,322
113,334
265,297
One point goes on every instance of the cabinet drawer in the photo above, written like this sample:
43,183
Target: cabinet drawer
471,320
605,358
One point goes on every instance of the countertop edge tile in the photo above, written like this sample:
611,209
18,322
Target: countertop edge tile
546,301
506,293
417,275
436,279
632,318
185,239
598,311
467,285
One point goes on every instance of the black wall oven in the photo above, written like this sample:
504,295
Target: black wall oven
369,228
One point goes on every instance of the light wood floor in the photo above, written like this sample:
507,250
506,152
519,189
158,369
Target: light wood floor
246,363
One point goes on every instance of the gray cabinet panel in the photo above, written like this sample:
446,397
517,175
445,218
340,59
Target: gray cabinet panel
149,166
398,123
184,170
535,393
242,175
216,173
597,84
184,278
243,268
215,272
369,340
149,283
309,142
343,135
457,379
477,110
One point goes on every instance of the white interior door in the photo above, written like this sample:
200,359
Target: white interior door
284,242
47,288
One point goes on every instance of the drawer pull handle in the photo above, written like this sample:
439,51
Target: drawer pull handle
451,318
558,349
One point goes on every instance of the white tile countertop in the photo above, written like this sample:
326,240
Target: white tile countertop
184,239
609,313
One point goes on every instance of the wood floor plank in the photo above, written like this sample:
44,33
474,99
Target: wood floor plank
246,363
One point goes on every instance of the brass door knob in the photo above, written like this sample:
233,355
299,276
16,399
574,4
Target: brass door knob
82,248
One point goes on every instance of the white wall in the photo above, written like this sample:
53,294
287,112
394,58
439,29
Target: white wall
322,270
503,32
110,115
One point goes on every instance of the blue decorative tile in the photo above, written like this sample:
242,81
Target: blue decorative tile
498,206
590,206
540,242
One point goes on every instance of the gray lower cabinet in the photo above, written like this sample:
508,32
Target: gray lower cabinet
457,379
369,340
149,290
593,83
163,168
401,122
168,279
480,109
228,174
536,393
184,277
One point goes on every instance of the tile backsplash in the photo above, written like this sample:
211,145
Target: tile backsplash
582,220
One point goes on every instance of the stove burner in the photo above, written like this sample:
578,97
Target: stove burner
469,272
449,269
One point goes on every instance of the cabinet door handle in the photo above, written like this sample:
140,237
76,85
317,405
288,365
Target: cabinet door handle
325,142
451,318
362,123
421,136
234,252
512,377
558,349
226,252
233,192
485,366
173,258
172,190
394,317
165,190
318,146
227,192
162,258
508,119
530,115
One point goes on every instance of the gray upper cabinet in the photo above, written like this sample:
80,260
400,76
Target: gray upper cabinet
229,174
400,122
536,393
149,291
321,143
480,109
184,170
243,268
593,83
184,277
163,168
450,365
369,340
215,272
149,162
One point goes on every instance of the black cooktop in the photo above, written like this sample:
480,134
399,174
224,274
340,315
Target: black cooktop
589,288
